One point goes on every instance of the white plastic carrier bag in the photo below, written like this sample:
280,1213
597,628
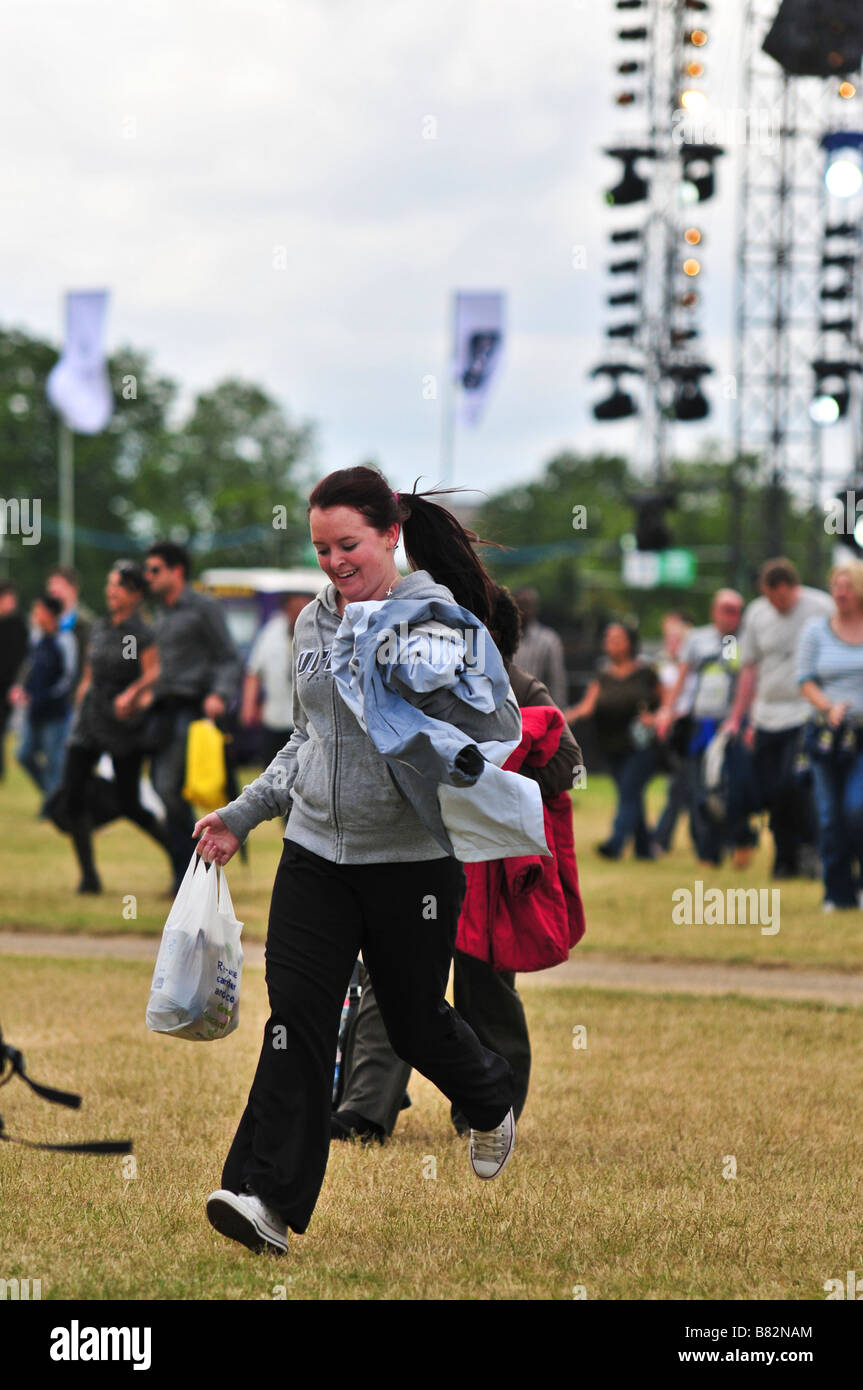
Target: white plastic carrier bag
195,992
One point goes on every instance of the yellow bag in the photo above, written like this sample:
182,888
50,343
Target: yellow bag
206,775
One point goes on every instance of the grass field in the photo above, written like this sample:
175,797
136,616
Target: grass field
621,1181
629,904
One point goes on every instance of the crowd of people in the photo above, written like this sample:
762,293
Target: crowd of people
724,712
759,711
127,684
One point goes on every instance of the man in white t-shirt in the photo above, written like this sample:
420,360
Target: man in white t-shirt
768,693
268,682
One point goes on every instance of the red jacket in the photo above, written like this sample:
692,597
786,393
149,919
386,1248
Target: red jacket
526,914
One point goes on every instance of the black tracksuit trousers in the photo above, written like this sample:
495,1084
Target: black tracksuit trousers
403,916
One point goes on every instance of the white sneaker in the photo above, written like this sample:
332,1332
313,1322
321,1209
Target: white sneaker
246,1218
491,1149
828,906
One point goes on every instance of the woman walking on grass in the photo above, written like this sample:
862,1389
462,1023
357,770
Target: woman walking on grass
121,667
830,675
623,700
361,870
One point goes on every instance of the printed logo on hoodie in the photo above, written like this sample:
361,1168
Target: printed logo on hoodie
309,660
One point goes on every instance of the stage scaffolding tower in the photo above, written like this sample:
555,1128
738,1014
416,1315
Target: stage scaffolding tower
781,211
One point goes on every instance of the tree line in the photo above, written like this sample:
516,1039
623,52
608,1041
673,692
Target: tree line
213,479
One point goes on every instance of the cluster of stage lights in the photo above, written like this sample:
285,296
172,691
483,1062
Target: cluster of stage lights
843,176
697,184
692,99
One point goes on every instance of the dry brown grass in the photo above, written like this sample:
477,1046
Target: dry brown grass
616,1183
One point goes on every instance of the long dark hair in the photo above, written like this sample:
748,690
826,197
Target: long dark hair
434,539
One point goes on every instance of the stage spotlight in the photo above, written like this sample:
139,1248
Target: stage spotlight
615,300
693,101
844,173
694,69
691,266
620,404
632,187
616,369
631,234
832,391
827,407
844,177
820,39
698,178
697,37
692,236
689,402
847,90
617,406
651,528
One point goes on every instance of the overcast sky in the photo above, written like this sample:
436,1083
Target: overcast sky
169,148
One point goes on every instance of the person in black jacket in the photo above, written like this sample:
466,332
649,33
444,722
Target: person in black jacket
121,666
200,678
46,692
13,649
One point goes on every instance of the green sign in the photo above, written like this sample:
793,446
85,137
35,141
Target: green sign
677,567
650,569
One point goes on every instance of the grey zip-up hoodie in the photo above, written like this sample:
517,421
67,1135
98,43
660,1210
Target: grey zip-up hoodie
343,801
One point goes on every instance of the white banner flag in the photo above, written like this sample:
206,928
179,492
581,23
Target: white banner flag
78,386
477,350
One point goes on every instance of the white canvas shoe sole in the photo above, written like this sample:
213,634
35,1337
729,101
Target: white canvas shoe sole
231,1216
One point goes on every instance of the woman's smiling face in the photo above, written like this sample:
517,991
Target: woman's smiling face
352,554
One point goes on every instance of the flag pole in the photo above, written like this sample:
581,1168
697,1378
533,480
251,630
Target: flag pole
66,471
448,403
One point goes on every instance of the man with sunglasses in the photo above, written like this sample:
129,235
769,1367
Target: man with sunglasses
200,676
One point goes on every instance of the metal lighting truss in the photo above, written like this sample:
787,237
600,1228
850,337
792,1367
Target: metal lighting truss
659,349
783,209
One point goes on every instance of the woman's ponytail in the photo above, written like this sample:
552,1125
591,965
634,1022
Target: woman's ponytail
436,541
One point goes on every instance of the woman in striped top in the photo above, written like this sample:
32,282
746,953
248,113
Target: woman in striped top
830,675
